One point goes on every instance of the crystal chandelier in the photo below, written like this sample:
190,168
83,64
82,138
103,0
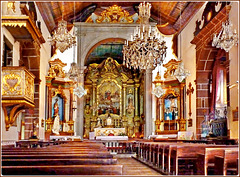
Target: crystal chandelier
158,90
226,39
181,73
146,49
62,38
79,91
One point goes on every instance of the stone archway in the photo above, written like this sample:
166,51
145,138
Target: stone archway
206,55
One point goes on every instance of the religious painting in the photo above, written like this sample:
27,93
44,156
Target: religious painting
170,108
109,98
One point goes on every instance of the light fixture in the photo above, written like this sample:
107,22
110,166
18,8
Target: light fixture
181,73
79,90
61,37
74,71
226,38
158,91
146,49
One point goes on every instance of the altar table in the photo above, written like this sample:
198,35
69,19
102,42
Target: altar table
112,138
107,131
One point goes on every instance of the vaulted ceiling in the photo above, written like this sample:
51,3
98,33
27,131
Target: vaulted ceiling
166,14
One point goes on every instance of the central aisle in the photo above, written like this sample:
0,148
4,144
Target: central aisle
133,167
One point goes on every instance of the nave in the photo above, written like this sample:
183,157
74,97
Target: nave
132,157
120,88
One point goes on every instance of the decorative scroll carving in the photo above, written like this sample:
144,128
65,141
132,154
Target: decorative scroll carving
114,14
171,66
210,11
11,84
56,68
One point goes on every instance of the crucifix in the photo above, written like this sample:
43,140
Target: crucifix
190,92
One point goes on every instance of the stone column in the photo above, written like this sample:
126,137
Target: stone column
78,126
148,103
157,122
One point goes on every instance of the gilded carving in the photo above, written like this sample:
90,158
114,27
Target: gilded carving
114,14
11,7
29,87
109,83
11,84
56,68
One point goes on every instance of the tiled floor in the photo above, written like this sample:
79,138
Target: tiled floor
133,167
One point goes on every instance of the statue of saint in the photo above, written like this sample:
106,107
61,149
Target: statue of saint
56,108
56,124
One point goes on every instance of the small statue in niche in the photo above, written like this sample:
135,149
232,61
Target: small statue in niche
56,123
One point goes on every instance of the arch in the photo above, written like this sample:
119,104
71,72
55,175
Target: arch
104,41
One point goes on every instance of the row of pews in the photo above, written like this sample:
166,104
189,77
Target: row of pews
178,158
69,158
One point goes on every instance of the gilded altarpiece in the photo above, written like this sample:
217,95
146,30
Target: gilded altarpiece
59,120
112,98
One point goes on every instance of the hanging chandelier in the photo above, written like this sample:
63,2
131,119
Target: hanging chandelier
146,49
181,73
158,91
227,38
62,38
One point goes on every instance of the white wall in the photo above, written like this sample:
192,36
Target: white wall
45,54
188,53
12,133
234,73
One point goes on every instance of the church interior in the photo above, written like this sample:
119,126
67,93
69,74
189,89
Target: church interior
120,88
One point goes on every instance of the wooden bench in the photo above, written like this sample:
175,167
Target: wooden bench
226,163
206,159
63,170
62,159
80,161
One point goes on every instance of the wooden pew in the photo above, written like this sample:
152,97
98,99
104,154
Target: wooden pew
62,159
82,161
63,170
226,162
206,159
56,156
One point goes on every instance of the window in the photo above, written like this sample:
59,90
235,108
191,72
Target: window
7,53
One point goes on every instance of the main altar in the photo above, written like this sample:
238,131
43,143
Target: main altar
114,99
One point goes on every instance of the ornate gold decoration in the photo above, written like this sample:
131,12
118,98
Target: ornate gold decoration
11,7
11,81
29,91
14,23
56,68
17,92
114,14
171,66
